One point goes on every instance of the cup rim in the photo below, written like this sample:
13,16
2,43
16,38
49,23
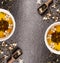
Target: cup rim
45,39
14,24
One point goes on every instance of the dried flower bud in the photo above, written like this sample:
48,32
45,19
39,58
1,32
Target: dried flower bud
49,36
1,52
55,18
4,44
5,56
58,11
52,45
57,60
54,6
10,48
14,44
45,18
49,14
53,29
2,2
38,1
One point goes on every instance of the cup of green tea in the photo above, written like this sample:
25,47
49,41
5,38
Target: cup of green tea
52,38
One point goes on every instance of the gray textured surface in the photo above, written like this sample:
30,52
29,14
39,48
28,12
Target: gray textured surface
29,33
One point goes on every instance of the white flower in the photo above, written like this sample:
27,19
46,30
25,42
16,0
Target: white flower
45,18
49,14
14,44
49,36
54,6
7,17
52,45
6,33
10,25
58,10
10,48
53,29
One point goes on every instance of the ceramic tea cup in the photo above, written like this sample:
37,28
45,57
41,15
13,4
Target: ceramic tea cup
52,38
7,24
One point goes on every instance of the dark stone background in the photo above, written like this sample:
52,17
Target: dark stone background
30,30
